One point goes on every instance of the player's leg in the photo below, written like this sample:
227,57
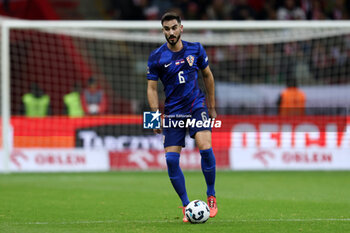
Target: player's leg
176,176
174,140
208,163
175,173
202,137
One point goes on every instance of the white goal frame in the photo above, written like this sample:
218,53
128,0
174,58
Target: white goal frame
8,24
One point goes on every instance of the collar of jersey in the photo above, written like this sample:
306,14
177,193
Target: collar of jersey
184,45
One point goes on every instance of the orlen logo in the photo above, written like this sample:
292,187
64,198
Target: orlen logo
17,156
60,159
264,156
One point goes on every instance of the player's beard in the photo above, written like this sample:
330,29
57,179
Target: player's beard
177,38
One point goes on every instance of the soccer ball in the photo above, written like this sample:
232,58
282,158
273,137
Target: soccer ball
197,211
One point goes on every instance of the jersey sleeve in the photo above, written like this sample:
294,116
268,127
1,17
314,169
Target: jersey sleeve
152,69
202,62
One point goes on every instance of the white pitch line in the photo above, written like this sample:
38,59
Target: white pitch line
165,221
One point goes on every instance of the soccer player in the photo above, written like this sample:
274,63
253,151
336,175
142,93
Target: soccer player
176,64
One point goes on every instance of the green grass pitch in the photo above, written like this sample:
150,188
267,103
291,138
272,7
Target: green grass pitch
145,202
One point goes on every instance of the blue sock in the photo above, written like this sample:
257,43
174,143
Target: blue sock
208,168
176,176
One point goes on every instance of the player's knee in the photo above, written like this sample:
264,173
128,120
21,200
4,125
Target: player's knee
203,140
204,145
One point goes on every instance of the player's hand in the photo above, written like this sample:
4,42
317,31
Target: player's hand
158,131
212,113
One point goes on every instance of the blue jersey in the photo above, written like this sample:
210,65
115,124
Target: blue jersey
178,72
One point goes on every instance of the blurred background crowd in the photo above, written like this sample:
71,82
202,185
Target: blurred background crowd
229,9
313,61
196,9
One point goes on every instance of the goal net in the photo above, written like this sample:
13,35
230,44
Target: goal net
82,85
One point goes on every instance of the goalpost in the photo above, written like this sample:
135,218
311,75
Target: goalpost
251,56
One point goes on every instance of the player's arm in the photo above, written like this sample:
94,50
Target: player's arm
209,83
152,96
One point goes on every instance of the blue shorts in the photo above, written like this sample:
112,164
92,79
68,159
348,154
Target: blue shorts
175,135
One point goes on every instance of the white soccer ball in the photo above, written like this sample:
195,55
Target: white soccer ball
197,211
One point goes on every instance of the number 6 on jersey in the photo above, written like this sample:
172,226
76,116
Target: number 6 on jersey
181,78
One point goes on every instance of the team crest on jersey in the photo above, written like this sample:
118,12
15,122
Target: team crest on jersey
190,59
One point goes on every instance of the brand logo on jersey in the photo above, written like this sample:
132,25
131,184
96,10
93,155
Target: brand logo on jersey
178,62
166,65
151,120
190,59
